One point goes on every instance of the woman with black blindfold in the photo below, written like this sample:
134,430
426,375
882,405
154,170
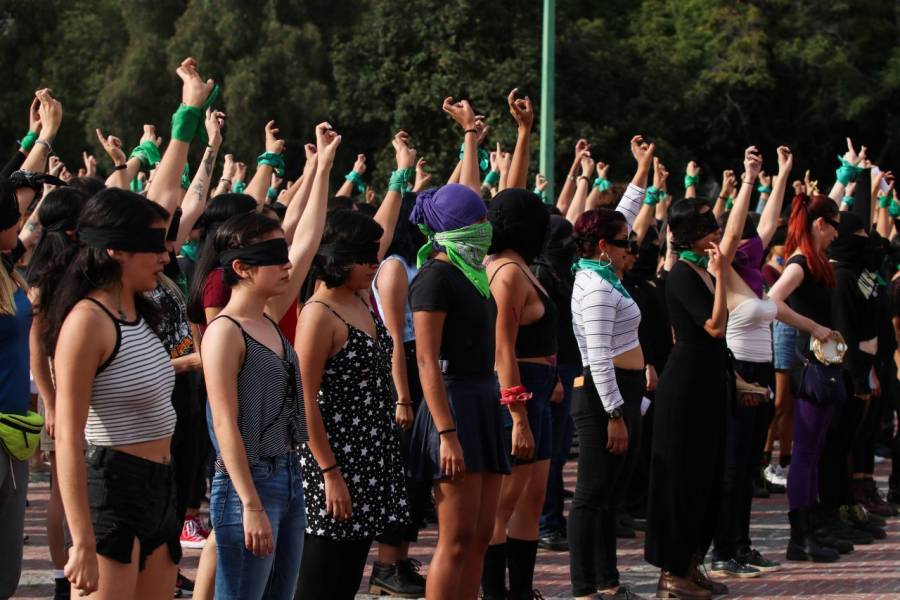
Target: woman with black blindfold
352,463
253,384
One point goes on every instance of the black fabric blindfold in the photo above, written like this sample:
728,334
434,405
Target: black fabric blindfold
151,239
269,252
362,253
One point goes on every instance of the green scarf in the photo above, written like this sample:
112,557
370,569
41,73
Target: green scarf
701,260
466,247
190,250
604,270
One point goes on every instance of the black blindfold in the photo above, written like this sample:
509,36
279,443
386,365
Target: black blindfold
151,239
270,252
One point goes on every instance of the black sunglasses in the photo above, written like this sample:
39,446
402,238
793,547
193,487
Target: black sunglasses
833,223
619,243
634,248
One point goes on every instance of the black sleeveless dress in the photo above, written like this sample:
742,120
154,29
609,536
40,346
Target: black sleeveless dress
356,400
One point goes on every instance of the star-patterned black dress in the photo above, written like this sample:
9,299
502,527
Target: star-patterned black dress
356,399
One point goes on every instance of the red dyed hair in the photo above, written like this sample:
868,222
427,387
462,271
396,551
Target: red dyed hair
804,211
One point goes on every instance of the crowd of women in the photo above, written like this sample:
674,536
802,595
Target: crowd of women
342,370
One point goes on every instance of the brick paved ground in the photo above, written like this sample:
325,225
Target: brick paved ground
870,572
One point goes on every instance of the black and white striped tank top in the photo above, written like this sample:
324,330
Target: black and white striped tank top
131,400
271,416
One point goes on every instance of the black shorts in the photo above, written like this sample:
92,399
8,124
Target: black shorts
131,497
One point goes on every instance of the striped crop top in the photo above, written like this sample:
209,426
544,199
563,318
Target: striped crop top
131,400
606,322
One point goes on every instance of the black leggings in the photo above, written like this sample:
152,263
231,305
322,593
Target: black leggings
331,569
602,482
834,464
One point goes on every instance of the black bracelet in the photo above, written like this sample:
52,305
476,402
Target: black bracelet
331,468
475,131
121,167
451,430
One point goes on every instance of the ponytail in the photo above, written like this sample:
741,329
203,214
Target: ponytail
804,211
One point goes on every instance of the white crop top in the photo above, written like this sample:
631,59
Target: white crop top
749,332
605,322
131,400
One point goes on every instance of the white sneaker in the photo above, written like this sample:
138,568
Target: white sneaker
776,475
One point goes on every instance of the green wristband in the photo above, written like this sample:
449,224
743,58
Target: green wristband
276,161
357,181
884,201
27,142
238,187
729,203
542,195
186,177
602,183
691,180
894,210
484,157
492,179
148,153
652,195
663,195
848,200
399,181
847,172
764,189
185,123
136,186
271,193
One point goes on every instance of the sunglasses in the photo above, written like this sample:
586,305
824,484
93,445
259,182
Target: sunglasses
634,248
832,222
619,243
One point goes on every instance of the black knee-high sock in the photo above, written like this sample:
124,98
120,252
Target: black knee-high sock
521,556
493,574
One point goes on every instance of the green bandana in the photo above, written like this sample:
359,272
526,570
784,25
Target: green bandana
190,249
484,157
848,200
701,260
729,203
492,179
356,179
238,187
148,153
884,201
604,270
466,247
276,161
764,189
136,186
602,183
27,142
691,180
399,181
186,177
652,195
847,172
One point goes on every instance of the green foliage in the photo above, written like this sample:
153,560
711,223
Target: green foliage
701,78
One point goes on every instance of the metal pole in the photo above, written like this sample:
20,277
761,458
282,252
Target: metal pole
548,73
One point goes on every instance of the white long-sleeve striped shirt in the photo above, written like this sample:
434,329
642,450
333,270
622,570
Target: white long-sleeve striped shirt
604,321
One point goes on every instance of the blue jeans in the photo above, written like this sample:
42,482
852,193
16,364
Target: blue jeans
240,574
552,518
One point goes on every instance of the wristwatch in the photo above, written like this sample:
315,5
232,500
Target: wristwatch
614,414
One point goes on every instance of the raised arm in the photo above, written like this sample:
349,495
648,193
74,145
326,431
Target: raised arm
768,222
308,235
731,237
726,193
228,169
691,179
654,195
715,325
51,113
194,202
462,113
269,162
353,181
582,183
387,213
165,189
523,112
298,202
848,171
567,191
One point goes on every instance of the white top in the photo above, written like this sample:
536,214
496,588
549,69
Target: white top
749,332
604,321
409,334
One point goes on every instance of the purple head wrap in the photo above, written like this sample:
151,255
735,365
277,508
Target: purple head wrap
449,207
748,263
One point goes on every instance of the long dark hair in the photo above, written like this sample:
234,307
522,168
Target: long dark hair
342,227
220,209
408,238
55,249
93,268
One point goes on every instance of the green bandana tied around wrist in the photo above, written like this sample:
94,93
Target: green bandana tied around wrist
729,203
466,247
484,157
492,179
186,177
276,161
764,189
399,181
190,249
894,210
186,123
136,186
604,270
884,201
691,180
27,142
847,172
701,260
652,195
602,183
148,153
271,193
356,179
542,195
238,187
663,195
848,200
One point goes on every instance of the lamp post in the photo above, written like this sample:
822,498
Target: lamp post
548,73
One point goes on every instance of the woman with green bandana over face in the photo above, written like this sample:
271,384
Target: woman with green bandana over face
690,407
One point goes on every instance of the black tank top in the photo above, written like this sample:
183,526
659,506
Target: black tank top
539,338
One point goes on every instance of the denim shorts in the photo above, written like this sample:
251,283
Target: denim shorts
784,341
130,497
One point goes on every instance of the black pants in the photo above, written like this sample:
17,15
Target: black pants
834,464
745,431
190,447
331,569
863,452
601,483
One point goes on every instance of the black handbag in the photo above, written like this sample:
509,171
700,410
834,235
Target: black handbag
822,384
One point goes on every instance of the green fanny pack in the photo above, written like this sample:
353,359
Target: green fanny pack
21,434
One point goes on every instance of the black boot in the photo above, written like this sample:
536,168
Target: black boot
825,532
387,580
409,571
493,574
521,556
803,545
62,589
